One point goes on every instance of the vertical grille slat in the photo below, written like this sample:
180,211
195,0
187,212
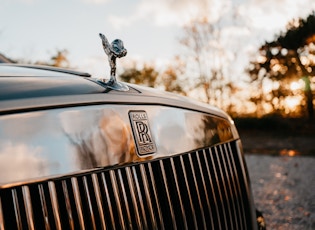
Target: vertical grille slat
44,206
134,198
193,215
123,198
157,199
182,209
54,203
202,189
28,207
148,196
139,199
197,193
205,190
238,181
117,199
77,199
68,204
87,192
98,198
1,216
234,190
213,197
223,209
223,184
17,209
108,210
166,185
228,187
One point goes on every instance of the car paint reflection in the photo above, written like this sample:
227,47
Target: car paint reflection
64,141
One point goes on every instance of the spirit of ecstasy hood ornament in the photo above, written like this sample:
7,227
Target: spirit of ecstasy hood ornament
114,50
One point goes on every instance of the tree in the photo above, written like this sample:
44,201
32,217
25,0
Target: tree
288,58
58,60
211,55
146,76
173,77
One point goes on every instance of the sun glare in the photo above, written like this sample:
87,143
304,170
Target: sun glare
295,85
292,102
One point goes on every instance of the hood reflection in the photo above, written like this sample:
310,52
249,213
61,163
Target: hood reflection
65,141
101,142
19,161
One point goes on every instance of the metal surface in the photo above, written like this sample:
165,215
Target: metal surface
114,50
63,141
202,189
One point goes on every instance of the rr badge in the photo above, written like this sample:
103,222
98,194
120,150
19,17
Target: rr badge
141,132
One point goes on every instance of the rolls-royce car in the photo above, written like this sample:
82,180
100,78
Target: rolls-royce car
77,153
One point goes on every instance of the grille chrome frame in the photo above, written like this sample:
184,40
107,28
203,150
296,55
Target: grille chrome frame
203,189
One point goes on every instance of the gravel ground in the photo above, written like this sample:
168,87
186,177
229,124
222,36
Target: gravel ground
284,190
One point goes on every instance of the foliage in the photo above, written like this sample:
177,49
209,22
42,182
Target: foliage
149,76
212,56
146,76
170,78
290,57
58,60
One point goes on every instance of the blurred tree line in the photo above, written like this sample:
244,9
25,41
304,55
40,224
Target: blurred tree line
290,58
204,71
286,65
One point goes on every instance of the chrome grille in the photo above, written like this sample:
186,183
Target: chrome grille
204,189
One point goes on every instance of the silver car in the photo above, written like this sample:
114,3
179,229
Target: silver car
78,154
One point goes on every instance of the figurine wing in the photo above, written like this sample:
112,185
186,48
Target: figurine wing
106,45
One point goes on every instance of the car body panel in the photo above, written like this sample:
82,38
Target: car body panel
71,148
62,141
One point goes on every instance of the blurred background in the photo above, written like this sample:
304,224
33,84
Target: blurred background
251,58
254,59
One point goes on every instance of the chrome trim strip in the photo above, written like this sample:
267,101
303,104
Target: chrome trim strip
168,194
218,153
140,198
246,182
133,196
155,195
68,205
1,216
198,193
179,194
231,184
117,199
219,189
205,189
123,198
44,206
16,209
77,199
96,187
212,188
88,198
28,207
108,200
189,195
148,196
228,186
239,188
54,203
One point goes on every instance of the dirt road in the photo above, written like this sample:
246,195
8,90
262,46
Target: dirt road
284,190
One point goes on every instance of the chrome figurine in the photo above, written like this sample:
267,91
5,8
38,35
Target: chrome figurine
114,50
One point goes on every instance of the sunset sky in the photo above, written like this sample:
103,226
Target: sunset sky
34,29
